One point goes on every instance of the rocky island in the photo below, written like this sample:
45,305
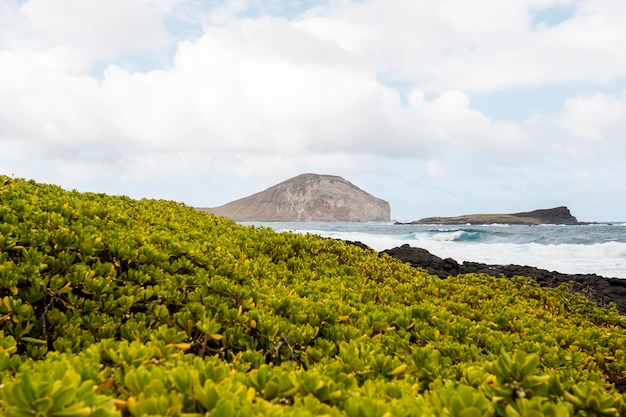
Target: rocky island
307,197
557,215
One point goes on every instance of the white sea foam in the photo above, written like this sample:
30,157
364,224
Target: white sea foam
605,259
566,258
566,249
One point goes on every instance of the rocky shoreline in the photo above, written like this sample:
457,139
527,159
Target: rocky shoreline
600,290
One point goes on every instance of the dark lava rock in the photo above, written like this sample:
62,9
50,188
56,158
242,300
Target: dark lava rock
600,290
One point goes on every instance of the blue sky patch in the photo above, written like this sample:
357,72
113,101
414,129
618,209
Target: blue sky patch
553,16
518,104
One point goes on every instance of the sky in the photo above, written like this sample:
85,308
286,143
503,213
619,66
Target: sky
441,108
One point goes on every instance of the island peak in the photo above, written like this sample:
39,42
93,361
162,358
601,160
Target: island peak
308,197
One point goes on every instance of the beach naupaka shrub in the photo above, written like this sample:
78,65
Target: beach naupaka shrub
114,306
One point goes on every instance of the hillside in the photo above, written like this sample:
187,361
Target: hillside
557,215
111,306
307,197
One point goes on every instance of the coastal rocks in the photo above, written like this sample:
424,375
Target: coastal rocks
600,290
308,197
557,215
421,258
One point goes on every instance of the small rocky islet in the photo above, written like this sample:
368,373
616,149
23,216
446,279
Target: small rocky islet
557,215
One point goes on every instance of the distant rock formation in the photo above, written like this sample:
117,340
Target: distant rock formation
557,215
307,197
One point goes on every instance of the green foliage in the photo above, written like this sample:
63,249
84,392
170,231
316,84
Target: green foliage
55,390
113,306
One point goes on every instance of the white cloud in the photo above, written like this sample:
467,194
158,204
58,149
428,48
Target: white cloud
233,89
479,46
99,29
459,127
595,120
260,85
346,87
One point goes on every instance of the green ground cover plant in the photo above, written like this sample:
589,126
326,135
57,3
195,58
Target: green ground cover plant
111,306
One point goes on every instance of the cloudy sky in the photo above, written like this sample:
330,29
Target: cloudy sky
443,107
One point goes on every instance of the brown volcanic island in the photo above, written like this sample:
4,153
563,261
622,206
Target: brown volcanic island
307,197
557,215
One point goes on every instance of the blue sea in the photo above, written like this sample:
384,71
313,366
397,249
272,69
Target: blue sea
582,249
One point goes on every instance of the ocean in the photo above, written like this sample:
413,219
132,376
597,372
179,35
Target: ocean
579,249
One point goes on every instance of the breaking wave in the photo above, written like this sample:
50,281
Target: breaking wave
568,249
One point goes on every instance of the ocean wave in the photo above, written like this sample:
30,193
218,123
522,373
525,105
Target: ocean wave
570,250
606,259
452,235
457,236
